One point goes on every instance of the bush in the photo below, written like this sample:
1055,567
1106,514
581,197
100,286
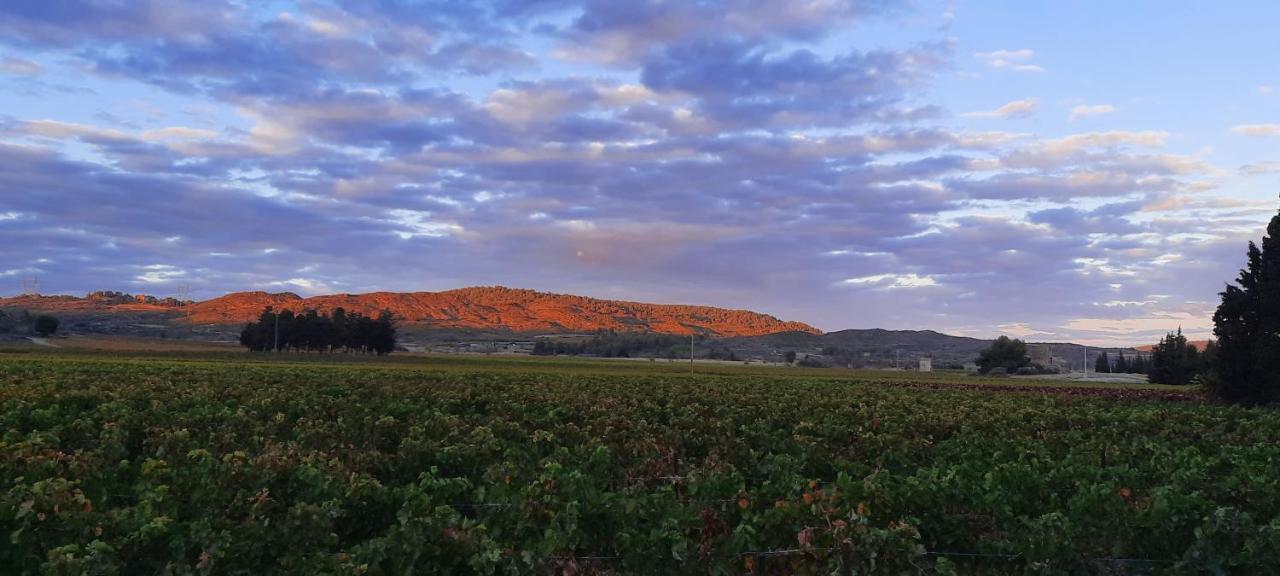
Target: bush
811,362
45,325
997,371
1005,352
1029,371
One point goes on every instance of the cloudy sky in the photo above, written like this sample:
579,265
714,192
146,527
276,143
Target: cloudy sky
1087,171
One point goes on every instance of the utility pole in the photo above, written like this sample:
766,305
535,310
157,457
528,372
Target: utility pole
31,286
1086,362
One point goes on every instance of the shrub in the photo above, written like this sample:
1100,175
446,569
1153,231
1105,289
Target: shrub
45,325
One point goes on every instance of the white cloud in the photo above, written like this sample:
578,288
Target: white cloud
893,281
1016,109
1260,168
1084,110
418,223
1266,89
159,273
1021,330
1257,129
305,284
1016,60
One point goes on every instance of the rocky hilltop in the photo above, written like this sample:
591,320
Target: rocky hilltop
483,308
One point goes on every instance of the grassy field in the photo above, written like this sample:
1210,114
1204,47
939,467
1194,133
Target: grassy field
219,462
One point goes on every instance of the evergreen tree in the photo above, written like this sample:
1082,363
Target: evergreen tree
1138,365
1246,360
1174,360
313,331
1122,364
1103,364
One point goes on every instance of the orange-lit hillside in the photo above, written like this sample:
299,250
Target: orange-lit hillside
486,308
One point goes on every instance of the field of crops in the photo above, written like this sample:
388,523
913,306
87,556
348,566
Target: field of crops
215,465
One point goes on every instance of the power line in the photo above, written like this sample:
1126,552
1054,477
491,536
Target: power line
31,286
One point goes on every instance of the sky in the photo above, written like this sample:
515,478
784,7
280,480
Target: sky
1084,171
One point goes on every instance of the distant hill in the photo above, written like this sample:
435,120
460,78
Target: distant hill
480,308
866,347
876,347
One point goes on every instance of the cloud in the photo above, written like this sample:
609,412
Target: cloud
627,32
1022,330
733,83
893,281
1257,129
1015,109
1084,111
1260,168
19,67
722,152
1015,60
159,274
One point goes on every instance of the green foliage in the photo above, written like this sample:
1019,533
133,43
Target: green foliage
247,466
45,325
1175,361
789,356
1005,352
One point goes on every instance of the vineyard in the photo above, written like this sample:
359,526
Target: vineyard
220,464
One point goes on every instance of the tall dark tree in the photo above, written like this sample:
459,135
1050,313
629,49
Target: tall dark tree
1174,360
1005,352
1103,364
1138,365
1246,360
1122,364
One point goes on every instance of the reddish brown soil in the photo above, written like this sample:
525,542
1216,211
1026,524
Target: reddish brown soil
488,308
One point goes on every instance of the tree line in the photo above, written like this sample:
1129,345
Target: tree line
628,345
1136,364
1172,361
318,332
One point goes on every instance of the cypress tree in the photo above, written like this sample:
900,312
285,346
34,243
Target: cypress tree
1103,364
1174,360
1246,360
1122,365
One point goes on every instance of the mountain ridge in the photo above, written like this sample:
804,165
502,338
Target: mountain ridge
478,307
